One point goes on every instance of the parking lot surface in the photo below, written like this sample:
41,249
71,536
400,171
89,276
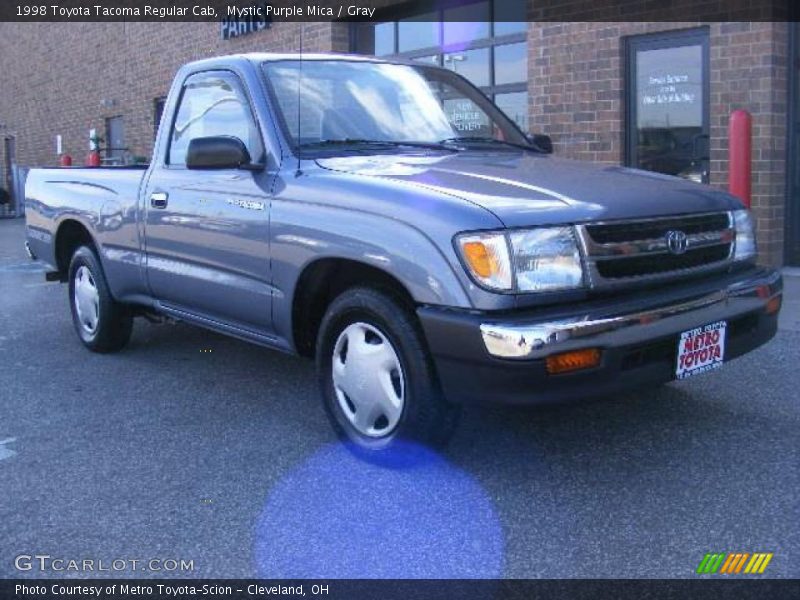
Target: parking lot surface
189,446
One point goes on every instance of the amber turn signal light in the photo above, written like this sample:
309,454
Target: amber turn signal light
774,305
480,259
573,361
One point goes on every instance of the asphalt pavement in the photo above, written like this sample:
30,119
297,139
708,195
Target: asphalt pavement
190,446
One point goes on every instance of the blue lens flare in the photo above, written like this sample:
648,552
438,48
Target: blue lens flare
411,515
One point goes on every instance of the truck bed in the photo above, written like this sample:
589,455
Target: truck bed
103,199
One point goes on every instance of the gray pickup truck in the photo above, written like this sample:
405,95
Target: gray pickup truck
387,219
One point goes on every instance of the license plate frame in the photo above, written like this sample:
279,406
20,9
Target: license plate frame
701,349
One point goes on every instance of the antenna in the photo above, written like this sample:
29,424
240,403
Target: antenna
298,172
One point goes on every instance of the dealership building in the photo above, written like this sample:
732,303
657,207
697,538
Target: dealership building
653,95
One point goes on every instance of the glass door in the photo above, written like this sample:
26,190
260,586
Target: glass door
667,103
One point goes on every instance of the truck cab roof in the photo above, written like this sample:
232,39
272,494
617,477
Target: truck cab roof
258,58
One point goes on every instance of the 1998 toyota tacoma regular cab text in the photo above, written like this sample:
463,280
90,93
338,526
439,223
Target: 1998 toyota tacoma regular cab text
387,219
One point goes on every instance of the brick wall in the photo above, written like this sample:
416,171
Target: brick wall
749,63
73,71
576,94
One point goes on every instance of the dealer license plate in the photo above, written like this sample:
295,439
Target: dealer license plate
701,349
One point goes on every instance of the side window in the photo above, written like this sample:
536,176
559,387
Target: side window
213,105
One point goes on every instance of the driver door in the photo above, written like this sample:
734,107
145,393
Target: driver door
207,231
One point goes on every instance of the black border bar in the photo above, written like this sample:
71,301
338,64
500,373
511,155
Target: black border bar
722,587
21,11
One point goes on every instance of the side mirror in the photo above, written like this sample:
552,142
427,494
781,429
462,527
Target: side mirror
541,142
218,152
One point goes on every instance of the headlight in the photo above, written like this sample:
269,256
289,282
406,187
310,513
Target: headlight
745,235
540,260
546,259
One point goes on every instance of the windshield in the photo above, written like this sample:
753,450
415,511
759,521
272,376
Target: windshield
347,103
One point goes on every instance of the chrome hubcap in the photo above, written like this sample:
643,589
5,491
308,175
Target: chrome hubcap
87,300
368,380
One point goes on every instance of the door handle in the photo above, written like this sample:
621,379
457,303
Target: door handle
158,199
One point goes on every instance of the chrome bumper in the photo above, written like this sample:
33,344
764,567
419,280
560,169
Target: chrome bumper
539,339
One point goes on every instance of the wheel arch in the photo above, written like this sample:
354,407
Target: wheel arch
70,235
322,280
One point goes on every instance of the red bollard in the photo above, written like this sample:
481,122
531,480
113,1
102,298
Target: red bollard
739,155
65,160
93,159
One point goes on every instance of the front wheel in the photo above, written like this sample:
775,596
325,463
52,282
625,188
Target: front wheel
376,377
102,324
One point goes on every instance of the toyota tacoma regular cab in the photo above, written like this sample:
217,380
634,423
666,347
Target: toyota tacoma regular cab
388,220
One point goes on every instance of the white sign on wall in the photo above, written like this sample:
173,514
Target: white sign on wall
669,87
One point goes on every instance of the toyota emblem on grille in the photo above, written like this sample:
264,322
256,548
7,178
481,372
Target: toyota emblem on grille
677,242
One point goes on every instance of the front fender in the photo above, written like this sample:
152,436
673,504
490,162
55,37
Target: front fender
397,249
301,235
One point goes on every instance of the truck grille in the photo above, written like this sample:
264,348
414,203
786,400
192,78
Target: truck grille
626,231
619,252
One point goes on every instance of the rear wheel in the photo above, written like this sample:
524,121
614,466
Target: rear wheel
376,377
102,324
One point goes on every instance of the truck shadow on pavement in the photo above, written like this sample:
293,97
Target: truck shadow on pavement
634,433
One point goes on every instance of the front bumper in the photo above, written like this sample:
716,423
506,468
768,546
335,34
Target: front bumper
500,358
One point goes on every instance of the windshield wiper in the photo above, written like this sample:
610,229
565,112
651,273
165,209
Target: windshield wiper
364,142
485,140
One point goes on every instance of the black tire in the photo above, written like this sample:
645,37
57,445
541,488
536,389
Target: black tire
426,418
114,320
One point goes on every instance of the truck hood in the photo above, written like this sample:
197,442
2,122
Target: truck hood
524,189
